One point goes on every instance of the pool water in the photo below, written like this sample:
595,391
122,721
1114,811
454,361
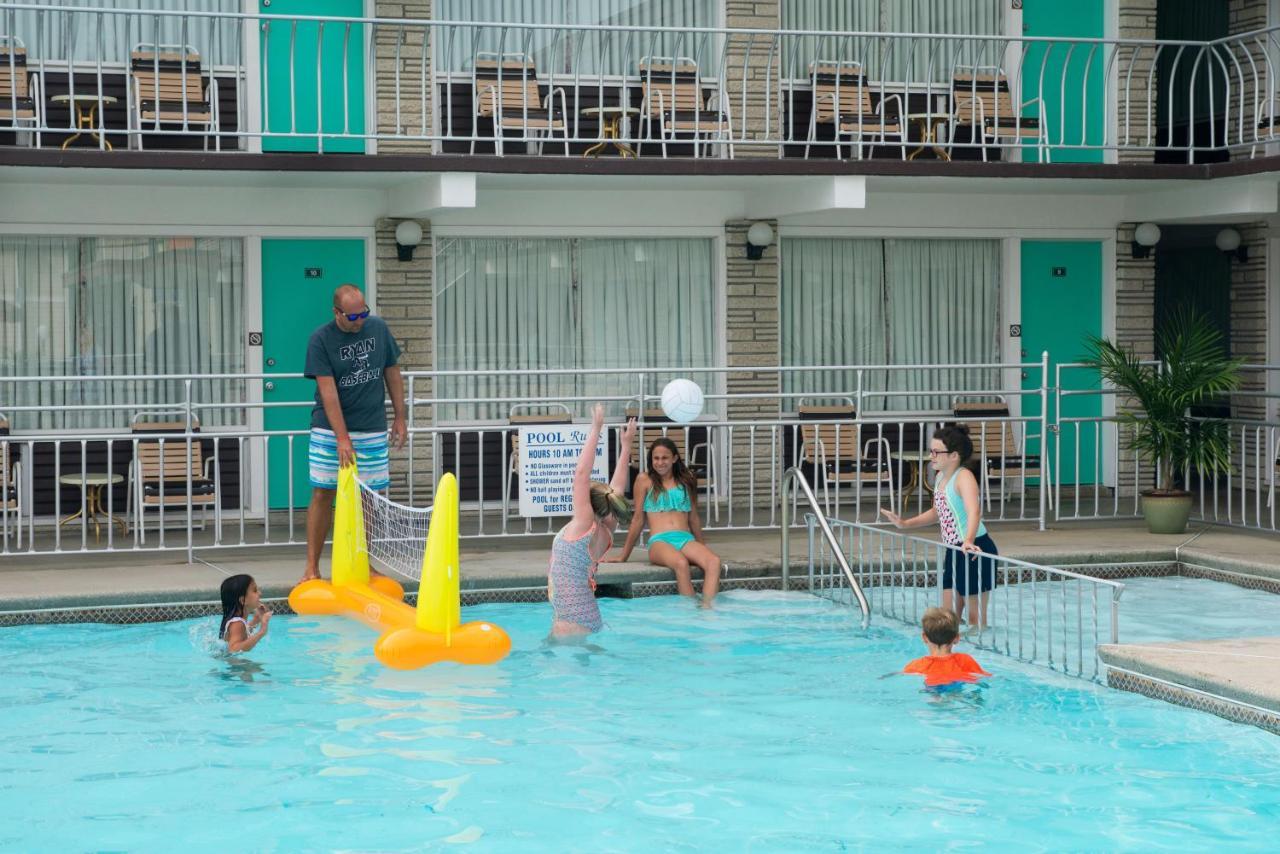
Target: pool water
763,725
1178,609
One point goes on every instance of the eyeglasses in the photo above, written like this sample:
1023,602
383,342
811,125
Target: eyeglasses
360,315
935,454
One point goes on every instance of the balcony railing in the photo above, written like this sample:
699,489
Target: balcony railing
229,81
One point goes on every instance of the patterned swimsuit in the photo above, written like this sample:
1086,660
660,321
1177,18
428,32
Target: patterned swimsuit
572,577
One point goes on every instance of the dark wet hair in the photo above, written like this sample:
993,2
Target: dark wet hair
955,438
679,470
233,590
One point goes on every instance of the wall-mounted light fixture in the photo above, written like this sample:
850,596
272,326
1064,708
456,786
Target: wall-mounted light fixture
1229,242
408,236
1145,236
759,238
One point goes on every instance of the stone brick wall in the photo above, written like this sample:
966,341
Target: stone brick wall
751,306
1249,314
1137,21
413,56
752,117
1135,328
404,299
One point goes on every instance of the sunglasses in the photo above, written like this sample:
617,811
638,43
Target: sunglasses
360,315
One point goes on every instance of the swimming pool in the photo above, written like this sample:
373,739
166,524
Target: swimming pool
763,725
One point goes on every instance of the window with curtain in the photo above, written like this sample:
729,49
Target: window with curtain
897,60
99,306
89,37
852,301
507,304
582,52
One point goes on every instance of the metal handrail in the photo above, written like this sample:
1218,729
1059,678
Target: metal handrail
792,476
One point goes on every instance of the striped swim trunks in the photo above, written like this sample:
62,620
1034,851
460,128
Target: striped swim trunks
371,458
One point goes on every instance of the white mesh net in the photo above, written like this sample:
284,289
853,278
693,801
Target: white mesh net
396,534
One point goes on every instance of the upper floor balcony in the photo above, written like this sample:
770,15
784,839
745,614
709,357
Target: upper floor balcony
157,80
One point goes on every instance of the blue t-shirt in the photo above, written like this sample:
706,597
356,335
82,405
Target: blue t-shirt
356,361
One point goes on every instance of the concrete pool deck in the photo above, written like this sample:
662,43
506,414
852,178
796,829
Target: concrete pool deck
1215,675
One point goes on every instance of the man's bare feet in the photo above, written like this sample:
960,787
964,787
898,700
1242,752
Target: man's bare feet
309,576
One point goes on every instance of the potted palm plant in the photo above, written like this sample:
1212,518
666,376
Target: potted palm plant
1194,370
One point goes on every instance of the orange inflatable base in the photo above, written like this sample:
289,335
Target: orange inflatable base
402,646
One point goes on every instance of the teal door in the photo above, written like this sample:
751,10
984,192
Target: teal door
1072,113
298,280
1061,306
313,75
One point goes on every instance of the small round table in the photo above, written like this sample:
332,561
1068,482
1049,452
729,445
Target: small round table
85,107
928,124
611,129
92,506
915,462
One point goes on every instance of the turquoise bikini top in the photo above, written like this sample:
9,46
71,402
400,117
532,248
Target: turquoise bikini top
671,499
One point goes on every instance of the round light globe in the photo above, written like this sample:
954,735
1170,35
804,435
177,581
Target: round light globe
1228,240
408,233
760,234
1147,234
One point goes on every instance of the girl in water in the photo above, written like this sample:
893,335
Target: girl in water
967,579
240,598
668,494
577,549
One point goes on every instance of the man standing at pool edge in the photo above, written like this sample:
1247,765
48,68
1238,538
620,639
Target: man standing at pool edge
350,358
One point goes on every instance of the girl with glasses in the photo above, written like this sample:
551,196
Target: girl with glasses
969,571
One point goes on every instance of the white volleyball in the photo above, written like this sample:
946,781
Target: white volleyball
682,401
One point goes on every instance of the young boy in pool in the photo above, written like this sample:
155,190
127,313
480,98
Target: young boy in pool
939,629
240,598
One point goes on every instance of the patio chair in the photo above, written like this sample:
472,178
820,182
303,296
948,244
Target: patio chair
161,471
693,444
1267,122
842,98
10,485
21,104
505,89
674,101
168,87
836,454
997,451
981,101
564,416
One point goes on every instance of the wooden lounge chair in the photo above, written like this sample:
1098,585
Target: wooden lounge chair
674,102
162,475
842,98
981,101
505,89
837,455
168,87
997,452
21,104
10,485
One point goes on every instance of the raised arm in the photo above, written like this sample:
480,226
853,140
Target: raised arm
622,471
583,515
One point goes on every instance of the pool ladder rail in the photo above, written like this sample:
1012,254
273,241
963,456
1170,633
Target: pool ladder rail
790,479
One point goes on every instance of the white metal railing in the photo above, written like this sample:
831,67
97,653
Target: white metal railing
456,86
1037,614
861,458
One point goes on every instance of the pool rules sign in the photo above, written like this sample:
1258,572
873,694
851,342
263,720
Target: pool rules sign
548,457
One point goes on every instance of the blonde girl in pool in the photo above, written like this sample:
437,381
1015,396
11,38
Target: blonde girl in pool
966,578
668,495
577,549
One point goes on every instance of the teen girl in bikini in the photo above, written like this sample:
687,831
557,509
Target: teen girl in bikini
668,494
577,549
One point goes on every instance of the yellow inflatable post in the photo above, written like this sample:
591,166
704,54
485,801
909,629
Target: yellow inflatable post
409,640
